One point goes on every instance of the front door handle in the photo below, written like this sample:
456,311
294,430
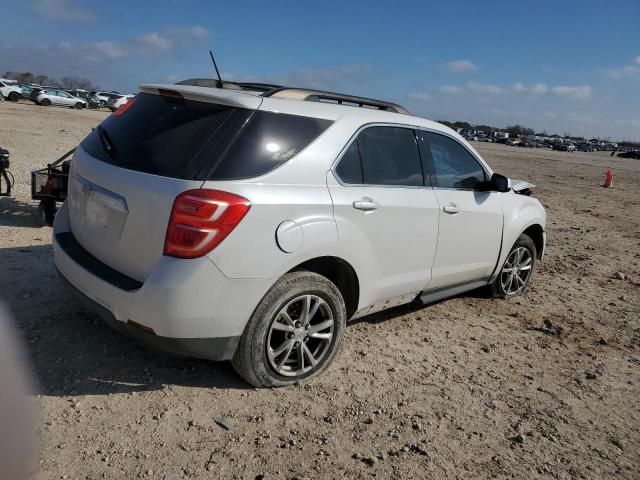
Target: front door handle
366,204
451,209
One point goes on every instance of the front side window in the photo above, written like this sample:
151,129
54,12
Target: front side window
452,165
382,156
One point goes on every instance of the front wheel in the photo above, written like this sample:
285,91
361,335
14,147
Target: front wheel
14,97
79,105
517,271
46,102
294,333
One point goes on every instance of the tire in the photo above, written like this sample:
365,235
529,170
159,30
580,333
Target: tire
47,211
79,105
46,102
501,288
13,97
257,359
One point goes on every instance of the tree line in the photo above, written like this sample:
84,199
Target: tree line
69,82
513,130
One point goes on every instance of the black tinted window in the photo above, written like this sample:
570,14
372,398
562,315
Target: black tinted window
452,164
350,169
158,135
390,156
180,138
269,140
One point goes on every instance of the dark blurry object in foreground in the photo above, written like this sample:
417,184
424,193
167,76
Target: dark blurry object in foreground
17,432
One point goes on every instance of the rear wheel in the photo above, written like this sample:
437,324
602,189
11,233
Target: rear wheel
79,105
14,96
46,102
517,271
294,333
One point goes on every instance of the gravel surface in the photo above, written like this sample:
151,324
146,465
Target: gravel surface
546,385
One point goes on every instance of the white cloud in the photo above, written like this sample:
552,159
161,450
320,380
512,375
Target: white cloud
420,96
484,88
195,32
630,70
67,10
540,88
519,87
450,89
110,50
461,66
153,43
582,92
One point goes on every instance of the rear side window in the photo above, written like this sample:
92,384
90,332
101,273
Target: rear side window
389,156
179,138
267,141
350,168
452,165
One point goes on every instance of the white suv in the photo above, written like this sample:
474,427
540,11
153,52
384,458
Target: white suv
231,224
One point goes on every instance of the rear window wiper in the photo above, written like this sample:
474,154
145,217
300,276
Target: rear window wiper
106,142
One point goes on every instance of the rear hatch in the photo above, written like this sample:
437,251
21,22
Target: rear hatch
127,173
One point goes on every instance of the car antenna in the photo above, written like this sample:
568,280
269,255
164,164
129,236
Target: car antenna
215,65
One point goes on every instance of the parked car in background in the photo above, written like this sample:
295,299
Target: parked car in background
564,147
116,101
84,94
10,91
225,225
103,97
26,89
630,154
59,97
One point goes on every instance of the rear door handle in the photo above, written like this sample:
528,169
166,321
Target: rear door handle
451,209
366,204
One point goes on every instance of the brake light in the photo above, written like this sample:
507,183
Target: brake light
200,220
124,107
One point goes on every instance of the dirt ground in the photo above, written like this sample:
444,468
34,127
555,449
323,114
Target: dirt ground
466,388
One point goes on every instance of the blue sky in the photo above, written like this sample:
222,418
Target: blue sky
564,66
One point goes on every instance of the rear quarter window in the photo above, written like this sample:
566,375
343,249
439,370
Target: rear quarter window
266,142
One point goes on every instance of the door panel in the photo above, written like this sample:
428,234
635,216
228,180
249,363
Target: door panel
470,227
394,242
470,235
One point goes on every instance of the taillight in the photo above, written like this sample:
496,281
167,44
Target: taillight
124,107
201,219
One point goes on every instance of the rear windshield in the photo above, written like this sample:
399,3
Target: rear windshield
185,139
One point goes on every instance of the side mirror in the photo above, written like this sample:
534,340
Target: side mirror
499,183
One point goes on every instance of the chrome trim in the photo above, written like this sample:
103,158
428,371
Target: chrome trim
101,194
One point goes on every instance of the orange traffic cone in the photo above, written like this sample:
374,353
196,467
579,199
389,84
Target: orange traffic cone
608,179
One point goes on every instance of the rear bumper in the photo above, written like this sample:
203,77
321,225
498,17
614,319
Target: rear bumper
184,306
220,348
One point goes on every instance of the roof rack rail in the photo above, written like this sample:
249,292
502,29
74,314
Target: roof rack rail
292,93
261,87
330,97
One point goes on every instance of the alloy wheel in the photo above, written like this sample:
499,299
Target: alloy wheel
516,271
300,335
